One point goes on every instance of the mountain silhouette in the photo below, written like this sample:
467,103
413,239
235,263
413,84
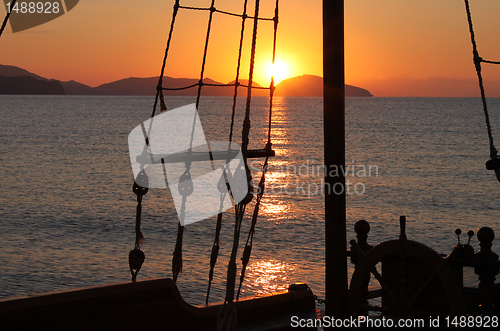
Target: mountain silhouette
75,88
13,71
312,86
29,85
301,86
14,80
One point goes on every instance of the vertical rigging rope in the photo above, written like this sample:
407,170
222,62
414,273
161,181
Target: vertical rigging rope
477,63
136,256
238,66
271,87
216,245
205,50
231,275
227,314
494,163
227,317
248,246
160,79
177,259
246,121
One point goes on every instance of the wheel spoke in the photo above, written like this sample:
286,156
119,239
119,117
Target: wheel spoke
383,283
373,270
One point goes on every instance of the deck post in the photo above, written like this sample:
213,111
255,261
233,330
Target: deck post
334,135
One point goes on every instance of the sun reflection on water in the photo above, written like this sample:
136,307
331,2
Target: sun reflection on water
267,276
274,208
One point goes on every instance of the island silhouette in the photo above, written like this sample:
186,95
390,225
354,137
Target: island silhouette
15,80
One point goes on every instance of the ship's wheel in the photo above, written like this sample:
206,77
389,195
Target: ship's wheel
413,280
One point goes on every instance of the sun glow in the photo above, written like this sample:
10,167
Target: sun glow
279,71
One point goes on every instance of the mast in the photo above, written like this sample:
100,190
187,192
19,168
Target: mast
334,137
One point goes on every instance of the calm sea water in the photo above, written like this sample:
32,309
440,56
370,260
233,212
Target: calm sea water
67,209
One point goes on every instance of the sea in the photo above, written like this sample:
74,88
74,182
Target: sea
67,210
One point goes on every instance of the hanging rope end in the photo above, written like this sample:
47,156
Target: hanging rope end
139,238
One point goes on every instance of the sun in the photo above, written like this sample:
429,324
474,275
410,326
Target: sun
279,71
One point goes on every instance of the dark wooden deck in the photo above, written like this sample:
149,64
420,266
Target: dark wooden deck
154,304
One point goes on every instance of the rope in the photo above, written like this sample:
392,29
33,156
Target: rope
7,17
213,9
228,322
248,246
227,317
160,79
211,84
177,259
216,244
231,275
214,254
231,269
210,17
140,188
136,256
491,62
477,63
246,121
271,87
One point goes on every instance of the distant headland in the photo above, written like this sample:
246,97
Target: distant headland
15,80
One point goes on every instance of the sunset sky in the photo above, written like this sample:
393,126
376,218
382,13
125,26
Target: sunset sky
393,47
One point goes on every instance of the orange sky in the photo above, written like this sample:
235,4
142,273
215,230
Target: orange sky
393,47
